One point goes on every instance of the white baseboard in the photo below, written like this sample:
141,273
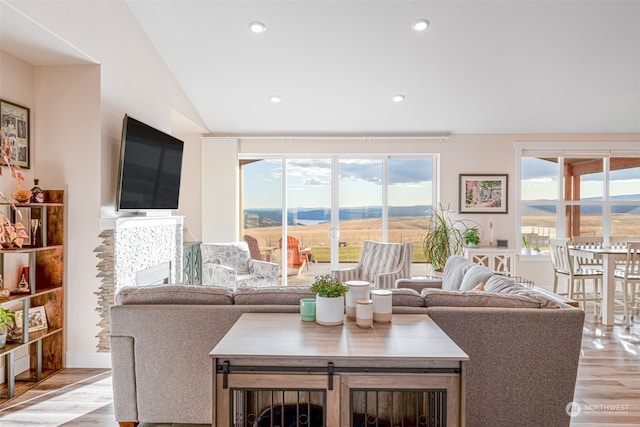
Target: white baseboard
88,360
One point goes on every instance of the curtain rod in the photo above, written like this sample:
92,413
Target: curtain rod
363,138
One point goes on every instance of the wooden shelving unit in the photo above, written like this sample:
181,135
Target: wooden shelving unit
46,289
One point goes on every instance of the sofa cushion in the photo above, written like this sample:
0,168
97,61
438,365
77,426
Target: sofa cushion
174,294
271,295
506,285
406,297
444,298
454,271
474,275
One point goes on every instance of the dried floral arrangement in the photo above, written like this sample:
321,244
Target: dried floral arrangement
11,234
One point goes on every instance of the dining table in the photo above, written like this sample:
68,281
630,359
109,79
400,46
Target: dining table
609,256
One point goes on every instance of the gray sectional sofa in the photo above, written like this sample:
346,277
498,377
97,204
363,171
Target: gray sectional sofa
523,346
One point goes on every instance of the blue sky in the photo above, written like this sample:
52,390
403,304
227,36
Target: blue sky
309,183
540,181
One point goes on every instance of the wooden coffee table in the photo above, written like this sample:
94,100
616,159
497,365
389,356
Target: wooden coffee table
276,365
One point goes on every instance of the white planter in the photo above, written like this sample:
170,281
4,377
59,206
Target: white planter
329,311
358,289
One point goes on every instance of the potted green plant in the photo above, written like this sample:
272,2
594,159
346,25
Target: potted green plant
471,237
525,245
330,294
6,321
442,239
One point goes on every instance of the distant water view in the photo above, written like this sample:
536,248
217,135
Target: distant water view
313,216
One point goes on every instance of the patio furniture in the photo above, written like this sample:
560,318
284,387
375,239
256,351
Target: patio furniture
297,259
254,249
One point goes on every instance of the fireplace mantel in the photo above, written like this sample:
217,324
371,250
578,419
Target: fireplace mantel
131,244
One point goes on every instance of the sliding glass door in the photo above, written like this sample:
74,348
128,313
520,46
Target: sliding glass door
326,207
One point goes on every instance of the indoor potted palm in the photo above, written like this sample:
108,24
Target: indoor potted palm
6,321
442,239
330,294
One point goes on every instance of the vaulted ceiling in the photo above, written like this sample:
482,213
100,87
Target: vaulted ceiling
480,67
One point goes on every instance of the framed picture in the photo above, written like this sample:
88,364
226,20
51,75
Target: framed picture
37,321
483,193
15,122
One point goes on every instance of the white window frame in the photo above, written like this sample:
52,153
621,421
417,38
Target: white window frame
562,150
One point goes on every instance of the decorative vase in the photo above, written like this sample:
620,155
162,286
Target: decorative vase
358,289
329,311
37,196
473,245
3,339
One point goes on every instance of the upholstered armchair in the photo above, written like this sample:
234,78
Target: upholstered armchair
381,264
230,265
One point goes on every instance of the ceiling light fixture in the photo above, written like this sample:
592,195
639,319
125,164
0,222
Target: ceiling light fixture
257,27
398,98
420,25
275,98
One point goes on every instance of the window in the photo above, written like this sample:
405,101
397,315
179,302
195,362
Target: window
590,192
333,204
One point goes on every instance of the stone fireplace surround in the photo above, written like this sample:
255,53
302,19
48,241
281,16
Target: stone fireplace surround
131,245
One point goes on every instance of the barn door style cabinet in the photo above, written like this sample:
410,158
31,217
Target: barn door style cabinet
35,347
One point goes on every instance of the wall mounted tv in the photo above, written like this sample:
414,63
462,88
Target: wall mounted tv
150,168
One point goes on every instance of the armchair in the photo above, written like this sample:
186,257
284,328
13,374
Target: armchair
381,264
230,265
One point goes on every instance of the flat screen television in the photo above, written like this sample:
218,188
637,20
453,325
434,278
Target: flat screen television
150,168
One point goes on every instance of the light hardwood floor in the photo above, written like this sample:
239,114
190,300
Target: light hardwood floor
607,390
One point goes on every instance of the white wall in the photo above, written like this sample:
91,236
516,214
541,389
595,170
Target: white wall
76,121
67,99
220,190
460,154
16,78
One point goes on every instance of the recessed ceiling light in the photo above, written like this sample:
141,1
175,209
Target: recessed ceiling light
275,98
257,27
420,25
398,98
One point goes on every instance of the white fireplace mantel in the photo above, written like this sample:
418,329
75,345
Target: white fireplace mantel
113,223
130,245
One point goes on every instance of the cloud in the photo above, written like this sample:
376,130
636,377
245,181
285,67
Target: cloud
314,182
410,171
401,171
317,172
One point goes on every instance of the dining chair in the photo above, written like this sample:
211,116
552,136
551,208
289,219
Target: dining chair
587,242
629,278
576,278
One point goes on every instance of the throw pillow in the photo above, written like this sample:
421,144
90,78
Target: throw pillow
454,271
479,287
476,274
506,285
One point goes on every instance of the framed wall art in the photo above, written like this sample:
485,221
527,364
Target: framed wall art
15,122
37,322
483,193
